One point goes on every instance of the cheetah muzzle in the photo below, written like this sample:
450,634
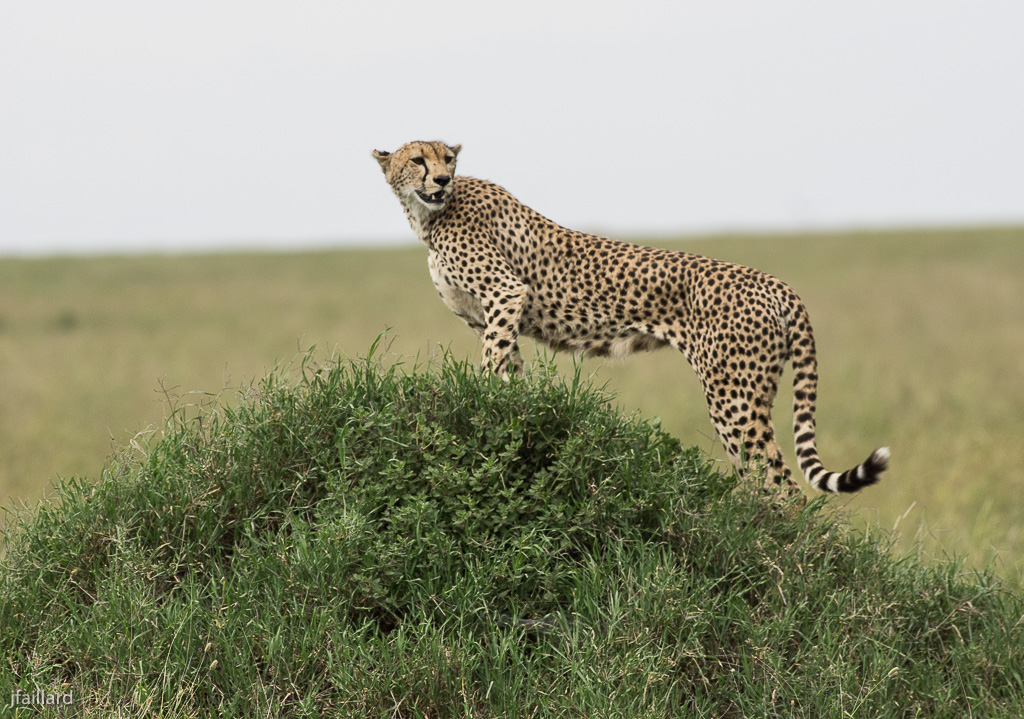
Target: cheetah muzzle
435,198
507,271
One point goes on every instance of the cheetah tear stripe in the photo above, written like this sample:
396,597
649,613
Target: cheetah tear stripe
508,271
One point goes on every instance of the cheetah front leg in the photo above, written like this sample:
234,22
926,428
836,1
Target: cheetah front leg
490,302
503,308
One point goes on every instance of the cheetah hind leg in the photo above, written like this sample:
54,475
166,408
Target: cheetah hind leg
753,451
742,418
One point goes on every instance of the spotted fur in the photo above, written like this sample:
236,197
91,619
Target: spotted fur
507,271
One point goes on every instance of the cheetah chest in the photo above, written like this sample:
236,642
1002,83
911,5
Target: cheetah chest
463,304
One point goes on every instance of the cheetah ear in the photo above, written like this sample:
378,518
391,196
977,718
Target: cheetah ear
455,149
384,158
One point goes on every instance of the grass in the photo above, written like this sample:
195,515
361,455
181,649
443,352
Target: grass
357,540
919,337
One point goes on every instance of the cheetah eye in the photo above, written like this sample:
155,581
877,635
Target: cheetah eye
449,160
419,161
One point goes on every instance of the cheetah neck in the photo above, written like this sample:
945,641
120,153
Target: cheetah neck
421,218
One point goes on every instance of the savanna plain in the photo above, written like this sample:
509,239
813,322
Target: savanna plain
920,338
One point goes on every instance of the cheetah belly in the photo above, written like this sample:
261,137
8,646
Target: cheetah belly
463,304
586,330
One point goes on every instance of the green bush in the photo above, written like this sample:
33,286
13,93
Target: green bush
365,542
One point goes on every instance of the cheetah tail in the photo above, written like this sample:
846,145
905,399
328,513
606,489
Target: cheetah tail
863,475
805,384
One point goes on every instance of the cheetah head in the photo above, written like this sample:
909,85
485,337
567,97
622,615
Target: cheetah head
420,173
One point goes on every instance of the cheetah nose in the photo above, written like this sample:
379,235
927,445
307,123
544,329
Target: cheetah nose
442,180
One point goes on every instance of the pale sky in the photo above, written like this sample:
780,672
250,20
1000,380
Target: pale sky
133,126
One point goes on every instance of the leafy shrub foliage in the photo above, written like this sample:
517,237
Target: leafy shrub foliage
369,542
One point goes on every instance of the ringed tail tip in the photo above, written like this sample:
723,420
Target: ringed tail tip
863,475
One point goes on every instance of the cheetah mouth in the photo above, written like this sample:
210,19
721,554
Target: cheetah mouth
434,198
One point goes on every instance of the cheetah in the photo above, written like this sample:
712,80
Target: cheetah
507,271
